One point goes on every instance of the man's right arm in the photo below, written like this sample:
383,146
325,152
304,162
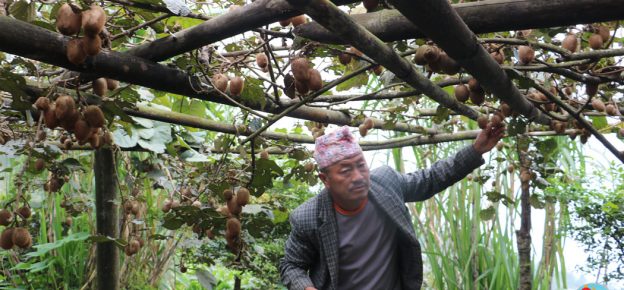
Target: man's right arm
299,254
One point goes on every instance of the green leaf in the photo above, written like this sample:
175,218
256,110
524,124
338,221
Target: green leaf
123,140
547,147
23,10
206,279
253,92
354,82
599,122
488,213
263,174
516,126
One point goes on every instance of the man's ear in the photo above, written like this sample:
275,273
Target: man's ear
324,178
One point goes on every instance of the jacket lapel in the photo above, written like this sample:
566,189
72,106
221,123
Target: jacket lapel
394,209
328,231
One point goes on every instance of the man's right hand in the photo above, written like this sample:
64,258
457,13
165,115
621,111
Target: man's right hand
310,288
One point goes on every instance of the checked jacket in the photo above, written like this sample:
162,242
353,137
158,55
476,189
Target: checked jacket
311,253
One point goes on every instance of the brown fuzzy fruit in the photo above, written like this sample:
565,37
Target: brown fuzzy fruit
75,53
112,84
262,60
6,238
132,247
482,121
49,117
525,176
526,54
233,207
242,196
309,167
344,58
236,86
39,164
69,221
82,131
284,22
91,45
65,105
68,22
510,168
108,138
462,93
315,82
300,69
363,130
298,20
233,227
591,89
94,116
604,33
93,20
220,82
611,110
302,87
42,103
370,4
473,85
368,123
166,207
136,206
498,56
477,97
355,51
289,86
496,120
24,212
70,120
264,154
22,238
595,41
426,54
6,217
100,87
505,109
95,141
377,70
228,194
570,42
197,204
598,105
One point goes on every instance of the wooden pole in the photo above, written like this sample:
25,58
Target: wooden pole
523,236
106,209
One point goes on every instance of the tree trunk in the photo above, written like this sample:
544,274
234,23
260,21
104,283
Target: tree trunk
523,236
482,17
106,209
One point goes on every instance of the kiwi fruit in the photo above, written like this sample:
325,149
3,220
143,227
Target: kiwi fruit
344,58
220,82
233,227
591,89
482,121
64,107
300,69
448,65
604,33
166,207
498,56
595,41
175,204
24,212
82,131
525,176
74,51
289,86
49,117
91,45
309,167
132,247
236,86
370,4
6,217
136,206
264,154
302,87
368,123
94,116
22,238
315,82
510,168
228,194
570,42
39,164
42,103
197,204
568,91
69,221
473,85
112,84
560,127
100,87
6,238
298,20
430,51
611,110
462,93
95,140
107,138
598,105
355,51
242,196
68,22
363,130
93,20
477,97
68,144
284,22
526,54
496,120
233,207
262,60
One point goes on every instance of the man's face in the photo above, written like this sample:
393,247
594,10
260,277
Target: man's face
347,180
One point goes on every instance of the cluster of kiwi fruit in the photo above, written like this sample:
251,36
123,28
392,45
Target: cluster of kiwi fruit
435,59
318,130
84,122
15,236
305,78
70,20
600,106
367,125
496,119
224,84
472,91
526,175
599,37
232,210
295,21
101,86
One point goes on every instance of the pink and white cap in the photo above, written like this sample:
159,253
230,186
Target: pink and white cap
335,146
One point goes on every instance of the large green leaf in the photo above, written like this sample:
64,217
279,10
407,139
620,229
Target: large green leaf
263,174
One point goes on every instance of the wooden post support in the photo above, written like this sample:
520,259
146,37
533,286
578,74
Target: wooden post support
106,209
523,236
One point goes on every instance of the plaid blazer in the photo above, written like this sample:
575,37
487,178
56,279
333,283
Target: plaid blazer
311,253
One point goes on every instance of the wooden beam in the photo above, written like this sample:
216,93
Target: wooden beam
438,20
482,17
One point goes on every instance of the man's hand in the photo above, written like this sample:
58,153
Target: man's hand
310,288
488,137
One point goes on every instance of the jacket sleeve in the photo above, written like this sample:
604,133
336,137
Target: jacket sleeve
299,254
423,184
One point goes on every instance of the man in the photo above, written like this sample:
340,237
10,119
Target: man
357,233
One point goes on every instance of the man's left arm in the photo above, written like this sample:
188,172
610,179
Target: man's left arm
423,184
